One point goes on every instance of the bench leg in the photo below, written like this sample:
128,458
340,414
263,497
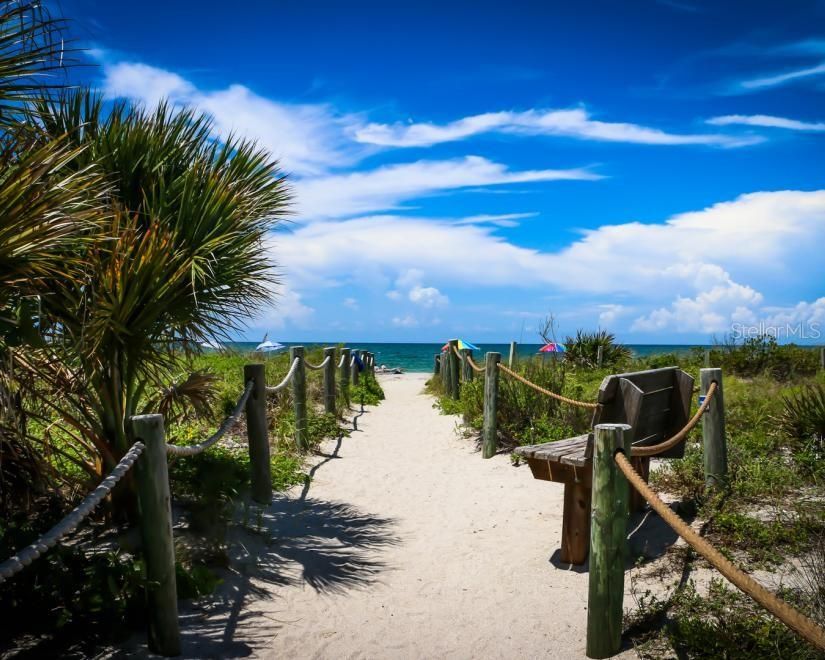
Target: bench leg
575,528
642,466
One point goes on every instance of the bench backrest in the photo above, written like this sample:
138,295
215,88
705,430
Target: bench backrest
655,403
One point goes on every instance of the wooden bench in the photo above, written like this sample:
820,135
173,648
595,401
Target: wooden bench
655,403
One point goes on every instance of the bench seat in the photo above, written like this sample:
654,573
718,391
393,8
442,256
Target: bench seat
655,403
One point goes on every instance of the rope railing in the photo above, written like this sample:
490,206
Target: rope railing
70,522
271,389
318,367
545,391
791,617
192,450
654,450
341,361
473,365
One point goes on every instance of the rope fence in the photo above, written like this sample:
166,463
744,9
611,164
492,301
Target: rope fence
791,617
192,450
72,520
318,367
289,374
473,365
545,391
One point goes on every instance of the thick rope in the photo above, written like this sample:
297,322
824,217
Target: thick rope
792,618
662,447
192,450
456,351
318,367
473,365
27,555
271,389
539,388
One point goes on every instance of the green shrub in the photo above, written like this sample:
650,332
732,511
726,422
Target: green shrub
583,349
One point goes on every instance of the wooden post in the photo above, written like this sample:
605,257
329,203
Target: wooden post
436,364
299,396
354,374
155,514
822,357
707,357
329,380
466,369
454,369
513,355
608,543
445,371
599,356
260,476
343,375
713,431
489,434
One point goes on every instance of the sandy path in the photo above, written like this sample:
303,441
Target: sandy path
407,544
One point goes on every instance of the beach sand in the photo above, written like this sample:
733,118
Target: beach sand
406,544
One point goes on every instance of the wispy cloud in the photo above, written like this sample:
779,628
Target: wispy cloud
775,80
508,220
385,188
308,139
574,123
767,121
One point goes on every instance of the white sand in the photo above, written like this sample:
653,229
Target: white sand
407,545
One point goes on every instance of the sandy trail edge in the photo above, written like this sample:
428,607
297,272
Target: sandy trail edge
407,544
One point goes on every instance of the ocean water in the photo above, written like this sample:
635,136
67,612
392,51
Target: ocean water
419,357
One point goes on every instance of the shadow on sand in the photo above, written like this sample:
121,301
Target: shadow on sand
648,538
332,547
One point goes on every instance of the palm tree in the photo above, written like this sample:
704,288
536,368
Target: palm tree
186,255
47,204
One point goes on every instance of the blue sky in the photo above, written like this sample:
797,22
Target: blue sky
655,168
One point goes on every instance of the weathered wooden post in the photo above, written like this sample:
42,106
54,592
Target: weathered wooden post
822,357
299,396
599,356
343,375
156,532
713,431
489,434
513,355
466,369
260,477
436,364
445,372
329,380
354,373
454,369
707,357
608,543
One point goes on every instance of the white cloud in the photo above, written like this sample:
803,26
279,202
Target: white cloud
755,84
574,123
408,321
427,296
308,139
712,265
351,303
767,121
387,187
289,309
499,220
